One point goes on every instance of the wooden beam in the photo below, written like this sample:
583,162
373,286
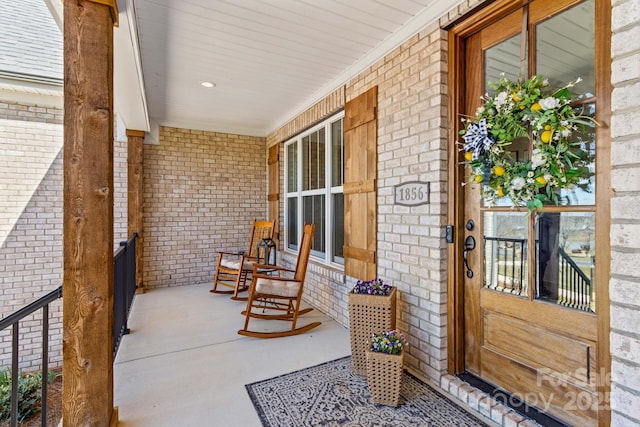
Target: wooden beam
87,365
113,8
134,198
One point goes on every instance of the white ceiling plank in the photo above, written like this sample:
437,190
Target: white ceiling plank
267,57
238,31
365,14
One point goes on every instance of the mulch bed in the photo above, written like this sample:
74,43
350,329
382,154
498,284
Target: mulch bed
54,408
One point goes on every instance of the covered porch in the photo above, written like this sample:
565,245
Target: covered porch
411,141
185,365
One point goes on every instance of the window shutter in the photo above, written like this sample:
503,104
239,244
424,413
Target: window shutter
274,188
360,172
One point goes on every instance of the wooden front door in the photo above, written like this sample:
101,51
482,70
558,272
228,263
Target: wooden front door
529,280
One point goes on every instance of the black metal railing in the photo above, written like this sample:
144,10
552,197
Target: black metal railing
575,286
506,269
13,320
124,266
124,288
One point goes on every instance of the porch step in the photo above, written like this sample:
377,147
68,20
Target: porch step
483,405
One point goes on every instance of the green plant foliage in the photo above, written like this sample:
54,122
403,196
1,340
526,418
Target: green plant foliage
558,160
391,342
29,394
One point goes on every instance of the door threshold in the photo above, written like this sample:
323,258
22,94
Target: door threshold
511,401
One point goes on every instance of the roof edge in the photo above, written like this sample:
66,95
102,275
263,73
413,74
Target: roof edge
31,78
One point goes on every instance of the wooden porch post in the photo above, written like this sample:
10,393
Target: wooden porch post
88,214
134,200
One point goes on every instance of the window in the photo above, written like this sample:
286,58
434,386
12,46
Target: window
314,169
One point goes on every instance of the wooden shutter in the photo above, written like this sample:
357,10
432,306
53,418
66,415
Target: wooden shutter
274,188
360,171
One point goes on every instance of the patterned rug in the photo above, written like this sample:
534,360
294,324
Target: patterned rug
331,394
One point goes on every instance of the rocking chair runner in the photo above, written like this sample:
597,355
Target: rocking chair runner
280,294
234,268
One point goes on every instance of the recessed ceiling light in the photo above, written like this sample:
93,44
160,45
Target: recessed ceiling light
208,84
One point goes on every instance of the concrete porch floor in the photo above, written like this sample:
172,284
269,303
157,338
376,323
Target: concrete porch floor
185,365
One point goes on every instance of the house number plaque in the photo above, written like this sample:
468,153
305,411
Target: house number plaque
411,193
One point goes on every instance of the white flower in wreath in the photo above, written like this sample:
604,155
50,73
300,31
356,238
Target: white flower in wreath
572,84
549,103
518,183
537,159
501,99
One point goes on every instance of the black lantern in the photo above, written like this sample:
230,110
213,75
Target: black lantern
267,251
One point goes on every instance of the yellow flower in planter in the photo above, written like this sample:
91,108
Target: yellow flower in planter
391,342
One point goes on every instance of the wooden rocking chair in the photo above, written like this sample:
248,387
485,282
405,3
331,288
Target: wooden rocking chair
280,294
234,267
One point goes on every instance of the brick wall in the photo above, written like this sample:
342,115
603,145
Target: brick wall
30,224
31,198
201,192
412,146
120,189
330,104
30,113
624,287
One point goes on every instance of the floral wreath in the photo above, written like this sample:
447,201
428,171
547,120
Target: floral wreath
521,109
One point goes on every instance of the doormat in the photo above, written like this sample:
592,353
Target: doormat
331,394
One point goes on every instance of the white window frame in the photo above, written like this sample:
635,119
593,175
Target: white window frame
327,191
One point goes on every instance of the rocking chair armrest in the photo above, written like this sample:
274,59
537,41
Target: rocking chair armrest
257,267
238,253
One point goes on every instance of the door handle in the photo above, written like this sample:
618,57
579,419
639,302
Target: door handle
469,245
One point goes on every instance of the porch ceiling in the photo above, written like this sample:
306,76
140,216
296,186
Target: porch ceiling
269,59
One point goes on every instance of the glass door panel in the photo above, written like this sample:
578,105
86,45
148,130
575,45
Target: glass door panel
565,253
503,59
565,52
583,147
505,252
565,49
